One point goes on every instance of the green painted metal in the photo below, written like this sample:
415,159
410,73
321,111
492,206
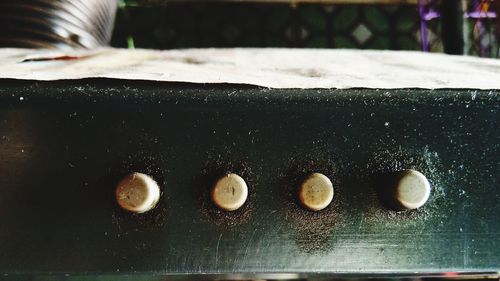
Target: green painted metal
64,146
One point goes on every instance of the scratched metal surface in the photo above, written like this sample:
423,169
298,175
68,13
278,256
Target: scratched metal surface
64,146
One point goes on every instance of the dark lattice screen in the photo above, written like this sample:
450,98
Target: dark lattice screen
195,24
183,25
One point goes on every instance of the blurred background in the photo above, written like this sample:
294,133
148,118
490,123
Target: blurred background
453,26
393,25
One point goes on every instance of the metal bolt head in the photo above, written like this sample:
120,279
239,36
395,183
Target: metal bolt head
316,192
412,189
230,192
137,193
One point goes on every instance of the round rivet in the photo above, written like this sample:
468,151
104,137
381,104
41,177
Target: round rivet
137,193
412,189
316,192
230,192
